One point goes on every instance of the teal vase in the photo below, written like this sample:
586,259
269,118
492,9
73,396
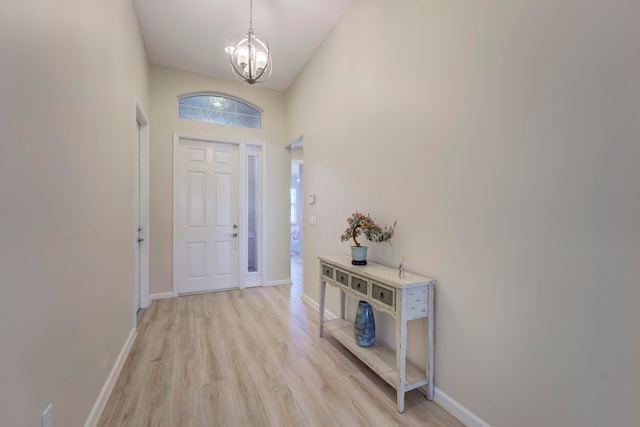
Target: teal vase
365,325
359,255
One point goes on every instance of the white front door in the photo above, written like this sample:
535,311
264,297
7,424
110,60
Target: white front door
207,216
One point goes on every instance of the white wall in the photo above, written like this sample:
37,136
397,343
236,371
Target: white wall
504,138
70,73
166,86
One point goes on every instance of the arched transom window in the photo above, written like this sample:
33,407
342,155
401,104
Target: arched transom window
219,109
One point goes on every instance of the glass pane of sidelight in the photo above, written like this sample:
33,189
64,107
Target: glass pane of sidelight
253,204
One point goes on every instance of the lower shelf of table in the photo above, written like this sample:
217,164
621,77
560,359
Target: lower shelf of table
377,357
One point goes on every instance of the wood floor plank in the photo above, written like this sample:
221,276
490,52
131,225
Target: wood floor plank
251,358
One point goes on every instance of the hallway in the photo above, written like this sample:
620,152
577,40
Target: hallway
251,357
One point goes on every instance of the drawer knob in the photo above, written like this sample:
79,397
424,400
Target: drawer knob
381,294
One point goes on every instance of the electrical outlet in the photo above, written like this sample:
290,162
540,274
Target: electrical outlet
47,416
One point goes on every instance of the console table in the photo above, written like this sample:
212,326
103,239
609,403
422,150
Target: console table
406,298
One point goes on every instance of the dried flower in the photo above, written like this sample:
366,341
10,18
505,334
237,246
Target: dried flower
360,223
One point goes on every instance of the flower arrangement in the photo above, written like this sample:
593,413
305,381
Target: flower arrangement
360,223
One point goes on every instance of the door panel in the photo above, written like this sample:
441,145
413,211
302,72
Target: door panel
223,190
197,200
197,260
221,256
197,155
207,216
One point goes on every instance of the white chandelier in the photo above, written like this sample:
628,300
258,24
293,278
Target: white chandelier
250,55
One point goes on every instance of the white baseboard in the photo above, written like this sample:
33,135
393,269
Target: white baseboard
453,407
278,282
313,304
107,388
464,415
162,295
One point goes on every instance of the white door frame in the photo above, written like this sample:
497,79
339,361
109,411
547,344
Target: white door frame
242,171
141,216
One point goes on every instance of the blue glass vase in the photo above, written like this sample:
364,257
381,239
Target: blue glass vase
365,325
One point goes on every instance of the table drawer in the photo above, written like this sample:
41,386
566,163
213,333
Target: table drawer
417,297
417,302
342,277
383,294
359,285
327,271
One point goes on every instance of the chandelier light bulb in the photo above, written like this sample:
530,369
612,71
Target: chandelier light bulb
243,57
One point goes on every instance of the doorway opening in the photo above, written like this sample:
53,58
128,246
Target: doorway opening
296,208
296,192
141,217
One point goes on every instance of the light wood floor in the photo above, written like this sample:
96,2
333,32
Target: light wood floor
251,358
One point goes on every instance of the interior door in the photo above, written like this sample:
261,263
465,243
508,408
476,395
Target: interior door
207,220
137,247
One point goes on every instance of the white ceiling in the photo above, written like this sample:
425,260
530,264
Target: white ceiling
191,35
